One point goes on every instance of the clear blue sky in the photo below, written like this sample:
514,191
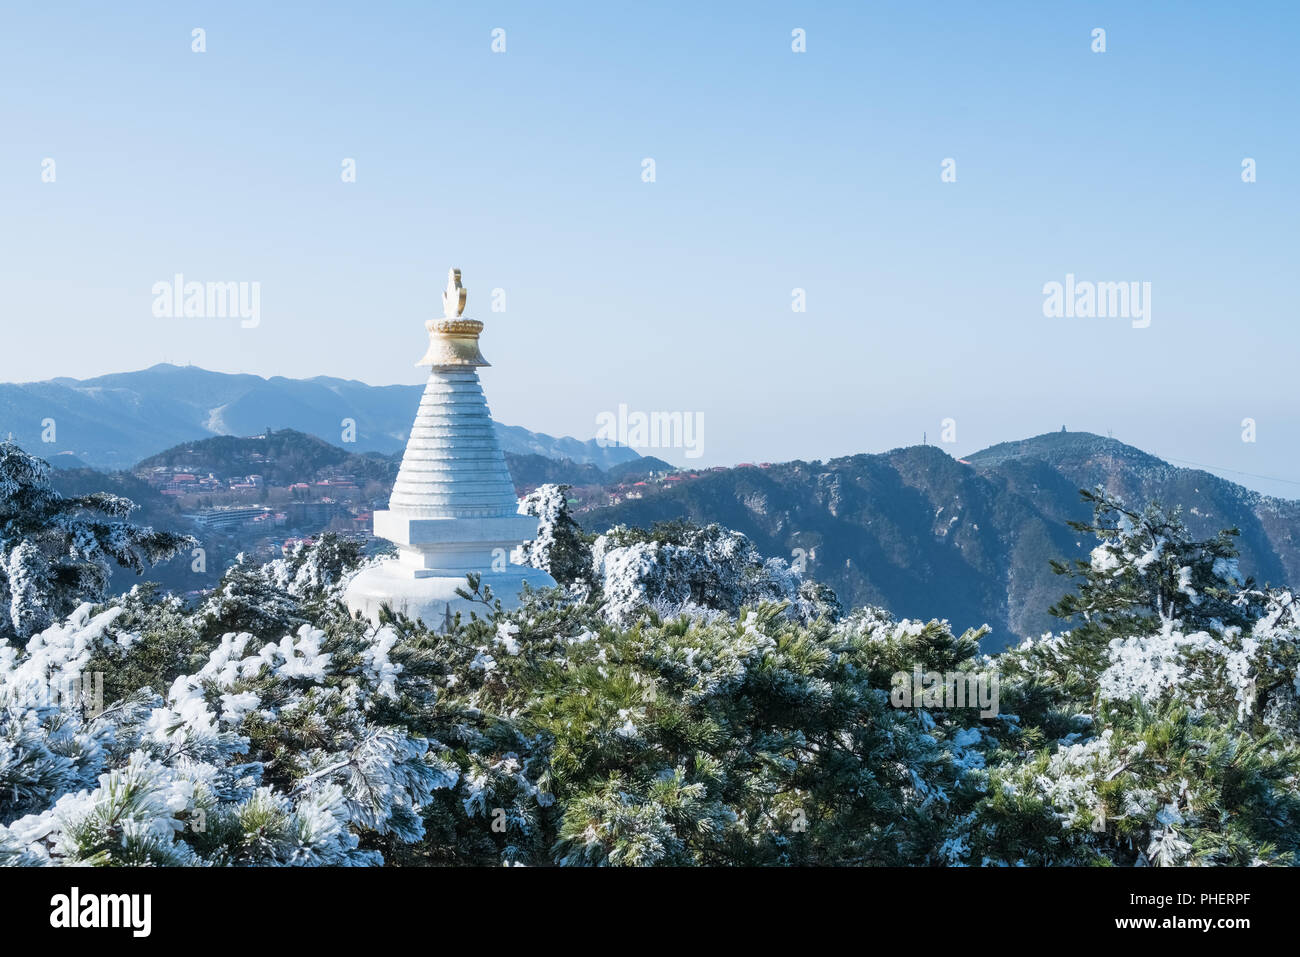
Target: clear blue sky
775,170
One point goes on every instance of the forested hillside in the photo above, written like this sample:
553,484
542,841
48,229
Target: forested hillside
917,531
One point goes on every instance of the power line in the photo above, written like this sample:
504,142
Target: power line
1220,468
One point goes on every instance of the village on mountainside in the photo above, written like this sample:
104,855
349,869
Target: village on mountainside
263,497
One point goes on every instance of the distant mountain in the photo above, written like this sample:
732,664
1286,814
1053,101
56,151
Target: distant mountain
636,469
529,471
66,461
113,421
281,457
520,441
285,456
927,535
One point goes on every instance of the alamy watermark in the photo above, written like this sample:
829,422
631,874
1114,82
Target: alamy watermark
953,689
652,430
1100,300
73,692
77,910
178,299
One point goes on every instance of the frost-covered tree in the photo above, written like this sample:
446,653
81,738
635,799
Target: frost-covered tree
670,569
321,568
560,548
1163,728
57,551
270,727
677,568
265,754
1148,571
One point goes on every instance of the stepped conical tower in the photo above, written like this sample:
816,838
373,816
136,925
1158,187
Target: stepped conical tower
453,508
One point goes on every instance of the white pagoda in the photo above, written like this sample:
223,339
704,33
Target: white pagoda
453,508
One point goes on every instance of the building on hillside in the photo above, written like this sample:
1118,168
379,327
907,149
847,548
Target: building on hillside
225,517
313,514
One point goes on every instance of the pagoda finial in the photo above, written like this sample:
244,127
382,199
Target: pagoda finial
453,297
453,339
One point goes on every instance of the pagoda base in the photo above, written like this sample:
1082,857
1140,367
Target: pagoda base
431,599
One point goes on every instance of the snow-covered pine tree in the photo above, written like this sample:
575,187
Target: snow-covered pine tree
1148,570
560,548
1162,729
56,551
672,568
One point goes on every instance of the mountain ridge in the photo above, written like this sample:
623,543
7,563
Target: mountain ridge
115,420
926,534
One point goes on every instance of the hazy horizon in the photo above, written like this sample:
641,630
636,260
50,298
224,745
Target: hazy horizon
675,457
